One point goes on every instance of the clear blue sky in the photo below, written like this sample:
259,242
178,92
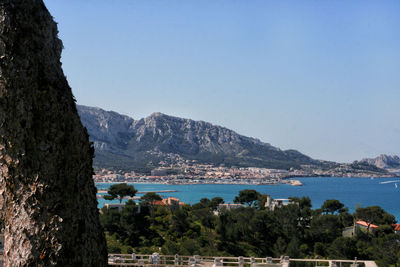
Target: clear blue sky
322,77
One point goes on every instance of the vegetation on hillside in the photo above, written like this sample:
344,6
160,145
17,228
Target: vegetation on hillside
252,230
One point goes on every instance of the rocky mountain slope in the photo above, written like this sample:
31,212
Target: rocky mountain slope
128,144
383,161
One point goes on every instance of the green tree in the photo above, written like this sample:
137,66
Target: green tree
148,200
346,218
205,202
247,196
280,247
319,249
110,220
304,202
387,250
331,206
205,216
180,222
215,202
292,249
374,214
342,248
294,230
263,231
325,228
262,200
304,211
288,220
120,191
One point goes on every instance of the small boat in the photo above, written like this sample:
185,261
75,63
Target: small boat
395,185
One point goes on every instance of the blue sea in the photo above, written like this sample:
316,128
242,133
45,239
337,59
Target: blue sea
353,192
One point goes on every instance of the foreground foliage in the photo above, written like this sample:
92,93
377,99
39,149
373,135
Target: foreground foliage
252,230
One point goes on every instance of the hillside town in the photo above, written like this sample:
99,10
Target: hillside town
200,174
193,173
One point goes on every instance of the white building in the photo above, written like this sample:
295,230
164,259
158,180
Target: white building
272,204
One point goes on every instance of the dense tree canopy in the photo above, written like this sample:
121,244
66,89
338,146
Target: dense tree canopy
295,230
375,215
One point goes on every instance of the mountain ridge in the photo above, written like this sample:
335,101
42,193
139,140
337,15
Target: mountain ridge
125,143
383,161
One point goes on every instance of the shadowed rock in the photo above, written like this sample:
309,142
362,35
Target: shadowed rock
47,195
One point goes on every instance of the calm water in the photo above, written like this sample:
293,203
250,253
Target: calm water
352,192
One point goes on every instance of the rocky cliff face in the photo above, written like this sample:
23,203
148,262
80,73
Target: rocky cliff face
109,129
160,137
384,161
47,196
184,136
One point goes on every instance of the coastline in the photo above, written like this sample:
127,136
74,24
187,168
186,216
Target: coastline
353,192
285,180
160,183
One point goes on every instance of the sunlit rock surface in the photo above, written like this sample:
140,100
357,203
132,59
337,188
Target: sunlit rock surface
47,196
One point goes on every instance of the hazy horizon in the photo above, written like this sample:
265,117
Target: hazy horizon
318,77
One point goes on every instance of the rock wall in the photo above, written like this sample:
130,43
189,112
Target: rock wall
47,197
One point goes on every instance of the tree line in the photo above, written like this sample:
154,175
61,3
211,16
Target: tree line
296,230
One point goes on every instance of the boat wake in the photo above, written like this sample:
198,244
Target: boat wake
389,182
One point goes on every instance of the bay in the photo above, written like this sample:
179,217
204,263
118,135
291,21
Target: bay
353,192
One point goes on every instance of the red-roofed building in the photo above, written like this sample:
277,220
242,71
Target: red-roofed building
171,201
364,224
359,226
158,203
396,228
